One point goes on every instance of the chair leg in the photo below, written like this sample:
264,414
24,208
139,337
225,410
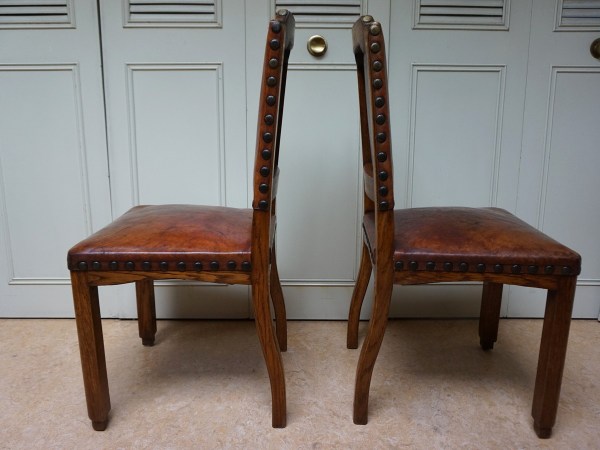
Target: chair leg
91,347
370,350
489,317
278,304
271,352
358,295
146,309
553,350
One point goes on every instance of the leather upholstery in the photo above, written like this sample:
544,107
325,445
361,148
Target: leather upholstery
485,239
169,238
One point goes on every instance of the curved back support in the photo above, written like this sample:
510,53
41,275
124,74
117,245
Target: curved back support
280,40
371,68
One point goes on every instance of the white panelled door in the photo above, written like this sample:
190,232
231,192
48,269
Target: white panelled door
457,79
559,183
175,79
53,167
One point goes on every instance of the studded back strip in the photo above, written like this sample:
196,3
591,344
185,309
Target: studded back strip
369,51
280,39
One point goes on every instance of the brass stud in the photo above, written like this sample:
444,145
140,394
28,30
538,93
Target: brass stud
375,29
516,268
275,27
231,265
114,265
375,47
566,270
265,171
399,265
448,266
263,204
548,270
273,63
181,265
381,137
274,44
267,137
380,119
413,265
96,265
130,265
82,265
282,12
264,188
498,268
270,100
246,266
383,191
430,265
532,269
381,156
164,265
463,267
367,19
379,101
384,205
198,265
214,265
480,267
269,119
271,81
377,83
383,175
377,65
146,265
266,154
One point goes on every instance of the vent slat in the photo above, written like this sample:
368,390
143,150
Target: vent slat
461,14
166,12
580,14
341,13
35,13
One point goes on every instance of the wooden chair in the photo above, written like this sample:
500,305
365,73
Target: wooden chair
205,243
428,245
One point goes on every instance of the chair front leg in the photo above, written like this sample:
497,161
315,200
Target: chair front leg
278,303
489,318
146,309
270,348
370,348
91,347
553,350
358,295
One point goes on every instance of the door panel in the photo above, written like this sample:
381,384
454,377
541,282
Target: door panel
558,178
53,165
176,112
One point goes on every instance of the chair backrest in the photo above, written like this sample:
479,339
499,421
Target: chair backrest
371,68
280,40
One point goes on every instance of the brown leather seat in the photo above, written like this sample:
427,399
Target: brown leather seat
204,243
429,245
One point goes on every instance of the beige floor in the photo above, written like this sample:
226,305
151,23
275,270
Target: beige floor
204,385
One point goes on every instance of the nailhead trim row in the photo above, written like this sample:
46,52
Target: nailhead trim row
163,266
450,266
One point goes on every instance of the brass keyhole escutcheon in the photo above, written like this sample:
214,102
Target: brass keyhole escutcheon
316,45
595,48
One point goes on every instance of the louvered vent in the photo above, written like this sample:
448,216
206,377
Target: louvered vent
173,13
461,14
338,13
35,13
579,14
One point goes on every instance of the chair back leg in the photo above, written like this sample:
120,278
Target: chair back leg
489,318
146,309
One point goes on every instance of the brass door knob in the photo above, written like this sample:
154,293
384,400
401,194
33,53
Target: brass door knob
316,45
595,48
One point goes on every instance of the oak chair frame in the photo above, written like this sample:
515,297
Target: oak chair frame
557,275
92,263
